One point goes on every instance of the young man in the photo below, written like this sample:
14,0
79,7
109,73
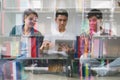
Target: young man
61,18
95,23
95,20
58,33
59,30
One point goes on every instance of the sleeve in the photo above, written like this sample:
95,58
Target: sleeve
13,31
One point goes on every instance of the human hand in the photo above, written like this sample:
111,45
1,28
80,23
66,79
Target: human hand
46,45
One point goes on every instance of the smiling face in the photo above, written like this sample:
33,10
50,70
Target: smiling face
30,20
61,21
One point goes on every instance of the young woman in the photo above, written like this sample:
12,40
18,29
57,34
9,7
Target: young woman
30,17
27,31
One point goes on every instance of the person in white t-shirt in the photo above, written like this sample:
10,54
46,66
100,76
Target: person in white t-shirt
59,31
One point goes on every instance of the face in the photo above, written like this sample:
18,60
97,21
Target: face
93,23
61,21
30,20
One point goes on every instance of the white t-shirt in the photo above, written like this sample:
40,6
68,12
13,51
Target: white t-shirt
56,35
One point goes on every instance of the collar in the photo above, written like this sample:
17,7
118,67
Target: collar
31,31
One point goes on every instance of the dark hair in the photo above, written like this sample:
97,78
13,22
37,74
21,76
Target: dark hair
95,12
27,12
61,12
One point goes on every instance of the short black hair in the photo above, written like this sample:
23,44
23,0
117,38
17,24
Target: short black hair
95,12
61,12
27,12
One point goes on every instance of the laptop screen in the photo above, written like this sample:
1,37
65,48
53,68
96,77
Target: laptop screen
64,45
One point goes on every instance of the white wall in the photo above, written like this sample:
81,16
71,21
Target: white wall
47,10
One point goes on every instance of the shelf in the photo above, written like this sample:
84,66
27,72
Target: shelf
22,10
104,58
59,58
76,59
39,68
117,10
39,5
42,56
106,37
36,68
